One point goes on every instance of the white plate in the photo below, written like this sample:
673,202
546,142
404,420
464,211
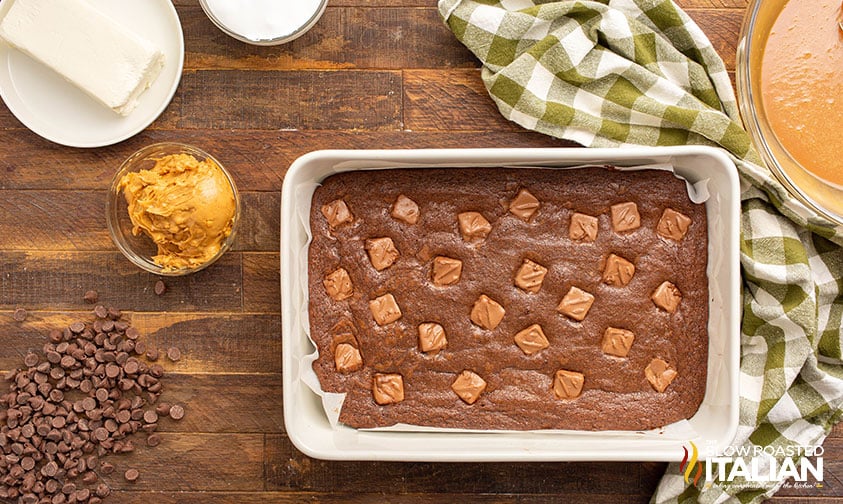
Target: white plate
715,422
58,111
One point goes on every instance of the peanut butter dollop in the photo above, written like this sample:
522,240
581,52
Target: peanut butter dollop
185,206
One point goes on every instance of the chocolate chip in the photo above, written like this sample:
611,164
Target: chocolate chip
132,333
112,370
91,297
106,468
55,336
160,288
152,354
28,463
89,477
102,395
174,354
31,360
103,491
50,469
177,412
132,475
131,367
124,416
150,416
53,435
51,486
68,362
19,315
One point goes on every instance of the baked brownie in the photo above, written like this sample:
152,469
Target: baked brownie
514,299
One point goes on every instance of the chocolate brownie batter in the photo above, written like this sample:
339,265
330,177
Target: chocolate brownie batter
513,299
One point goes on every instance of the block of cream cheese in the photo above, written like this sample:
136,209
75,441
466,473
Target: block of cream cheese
89,49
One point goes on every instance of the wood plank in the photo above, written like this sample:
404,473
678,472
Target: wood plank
246,343
209,342
288,469
304,99
261,283
260,222
53,220
450,100
58,280
258,160
367,38
75,221
347,37
343,497
214,403
356,3
190,462
685,4
800,500
831,485
225,403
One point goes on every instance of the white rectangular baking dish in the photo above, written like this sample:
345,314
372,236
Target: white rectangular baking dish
717,419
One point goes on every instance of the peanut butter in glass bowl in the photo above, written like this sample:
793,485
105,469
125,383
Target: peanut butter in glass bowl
172,209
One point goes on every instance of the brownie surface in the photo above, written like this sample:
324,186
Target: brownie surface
519,393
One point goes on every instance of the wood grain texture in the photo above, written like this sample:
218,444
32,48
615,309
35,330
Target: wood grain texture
261,284
51,280
371,74
304,99
345,37
248,343
185,462
343,497
257,159
387,38
287,468
685,4
73,221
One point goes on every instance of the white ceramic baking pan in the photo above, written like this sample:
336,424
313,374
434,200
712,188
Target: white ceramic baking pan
713,426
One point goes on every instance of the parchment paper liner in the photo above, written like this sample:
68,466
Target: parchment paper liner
332,402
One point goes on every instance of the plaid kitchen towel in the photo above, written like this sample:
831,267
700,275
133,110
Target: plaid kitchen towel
640,72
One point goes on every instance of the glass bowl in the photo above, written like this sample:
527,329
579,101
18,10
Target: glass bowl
140,249
254,13
824,197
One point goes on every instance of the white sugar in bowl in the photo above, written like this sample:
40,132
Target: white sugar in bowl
264,22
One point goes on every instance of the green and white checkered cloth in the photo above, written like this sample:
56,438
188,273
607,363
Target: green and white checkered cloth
641,72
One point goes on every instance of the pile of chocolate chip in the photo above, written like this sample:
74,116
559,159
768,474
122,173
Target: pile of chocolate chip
80,401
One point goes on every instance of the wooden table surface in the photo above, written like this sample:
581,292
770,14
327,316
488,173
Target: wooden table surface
370,74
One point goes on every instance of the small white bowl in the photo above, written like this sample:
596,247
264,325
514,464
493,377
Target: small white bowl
238,28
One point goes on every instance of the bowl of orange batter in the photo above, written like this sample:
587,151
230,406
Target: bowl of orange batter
790,93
